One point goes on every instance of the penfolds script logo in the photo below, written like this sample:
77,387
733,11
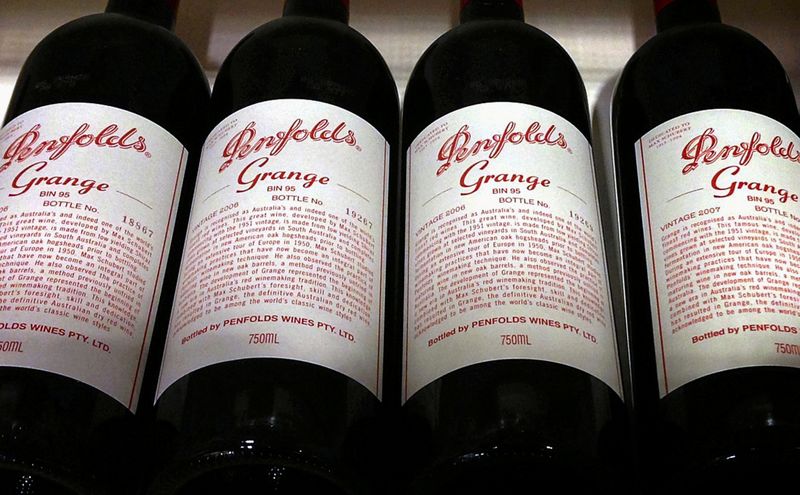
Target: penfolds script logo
32,144
727,181
247,141
705,149
461,146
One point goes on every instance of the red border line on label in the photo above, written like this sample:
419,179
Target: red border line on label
160,275
381,316
607,280
655,279
408,272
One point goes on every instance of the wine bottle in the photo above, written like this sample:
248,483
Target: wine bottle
272,372
706,141
511,374
100,135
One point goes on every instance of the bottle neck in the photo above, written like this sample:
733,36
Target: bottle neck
160,12
477,10
677,13
335,10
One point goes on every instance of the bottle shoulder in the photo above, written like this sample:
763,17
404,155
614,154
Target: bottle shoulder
492,61
308,58
118,61
304,40
494,35
120,41
703,67
712,43
296,29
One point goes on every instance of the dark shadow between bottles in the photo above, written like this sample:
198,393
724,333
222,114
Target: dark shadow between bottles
605,176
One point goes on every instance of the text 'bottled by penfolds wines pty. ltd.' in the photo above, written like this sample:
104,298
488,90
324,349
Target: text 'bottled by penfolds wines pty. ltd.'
284,253
505,251
90,196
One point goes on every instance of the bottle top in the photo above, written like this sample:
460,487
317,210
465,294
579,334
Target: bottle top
660,4
472,10
676,13
160,12
337,10
465,2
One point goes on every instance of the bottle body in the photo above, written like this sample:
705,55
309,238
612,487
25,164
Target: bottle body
64,421
289,405
709,384
504,415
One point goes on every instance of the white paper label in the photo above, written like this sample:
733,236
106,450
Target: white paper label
89,194
285,251
504,249
719,191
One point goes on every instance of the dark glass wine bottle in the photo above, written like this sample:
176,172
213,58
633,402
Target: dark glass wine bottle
705,130
272,375
500,182
94,153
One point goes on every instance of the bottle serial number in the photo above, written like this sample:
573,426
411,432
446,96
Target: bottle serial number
360,218
139,226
